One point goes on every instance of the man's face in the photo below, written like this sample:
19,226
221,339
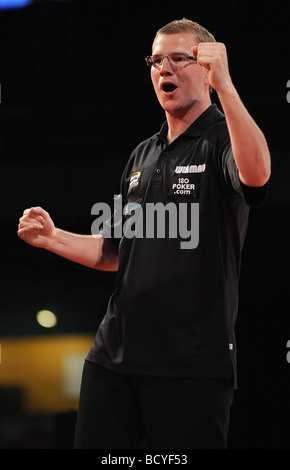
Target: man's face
191,82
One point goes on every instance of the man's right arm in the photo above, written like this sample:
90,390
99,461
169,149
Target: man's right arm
37,228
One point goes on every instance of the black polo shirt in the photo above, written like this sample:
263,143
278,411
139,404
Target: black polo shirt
174,309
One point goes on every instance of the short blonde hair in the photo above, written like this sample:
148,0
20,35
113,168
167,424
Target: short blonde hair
186,26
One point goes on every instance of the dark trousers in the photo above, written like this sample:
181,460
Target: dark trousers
119,411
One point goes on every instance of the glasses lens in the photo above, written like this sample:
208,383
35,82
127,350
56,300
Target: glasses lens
179,59
157,61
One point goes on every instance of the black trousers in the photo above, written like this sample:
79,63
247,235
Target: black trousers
119,411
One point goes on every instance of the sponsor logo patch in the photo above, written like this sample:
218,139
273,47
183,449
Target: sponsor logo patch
190,169
134,181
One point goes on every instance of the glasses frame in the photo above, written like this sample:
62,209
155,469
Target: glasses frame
168,57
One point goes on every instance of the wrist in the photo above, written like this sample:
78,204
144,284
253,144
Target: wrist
53,239
227,89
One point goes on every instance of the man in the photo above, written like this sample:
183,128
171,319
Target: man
161,371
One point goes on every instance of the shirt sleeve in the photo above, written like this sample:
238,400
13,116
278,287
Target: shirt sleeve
112,228
253,196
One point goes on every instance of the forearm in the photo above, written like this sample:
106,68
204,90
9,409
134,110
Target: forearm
92,251
249,145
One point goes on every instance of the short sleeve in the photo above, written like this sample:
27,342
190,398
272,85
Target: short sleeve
112,228
253,196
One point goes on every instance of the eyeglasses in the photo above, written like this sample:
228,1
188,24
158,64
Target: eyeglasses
178,60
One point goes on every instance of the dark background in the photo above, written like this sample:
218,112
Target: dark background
76,98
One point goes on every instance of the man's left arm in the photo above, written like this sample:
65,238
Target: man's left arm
249,145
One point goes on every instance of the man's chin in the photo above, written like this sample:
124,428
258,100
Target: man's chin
171,107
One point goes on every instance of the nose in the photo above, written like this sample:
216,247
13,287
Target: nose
166,68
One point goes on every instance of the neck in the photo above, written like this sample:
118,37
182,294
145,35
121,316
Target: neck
178,122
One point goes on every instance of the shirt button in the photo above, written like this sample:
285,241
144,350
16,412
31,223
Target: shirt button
158,171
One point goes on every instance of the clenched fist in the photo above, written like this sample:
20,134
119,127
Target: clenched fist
212,56
36,227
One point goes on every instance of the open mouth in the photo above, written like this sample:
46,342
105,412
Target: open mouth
168,87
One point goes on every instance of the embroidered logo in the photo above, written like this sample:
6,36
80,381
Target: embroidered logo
134,181
191,169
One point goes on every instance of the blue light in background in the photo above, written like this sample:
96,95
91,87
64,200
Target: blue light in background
9,4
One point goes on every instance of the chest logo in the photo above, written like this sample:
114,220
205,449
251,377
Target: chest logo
190,169
134,181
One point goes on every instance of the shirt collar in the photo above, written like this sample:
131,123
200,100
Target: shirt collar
209,117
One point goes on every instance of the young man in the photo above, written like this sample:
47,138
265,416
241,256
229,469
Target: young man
161,371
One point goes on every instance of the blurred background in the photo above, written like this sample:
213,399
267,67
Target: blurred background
76,99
